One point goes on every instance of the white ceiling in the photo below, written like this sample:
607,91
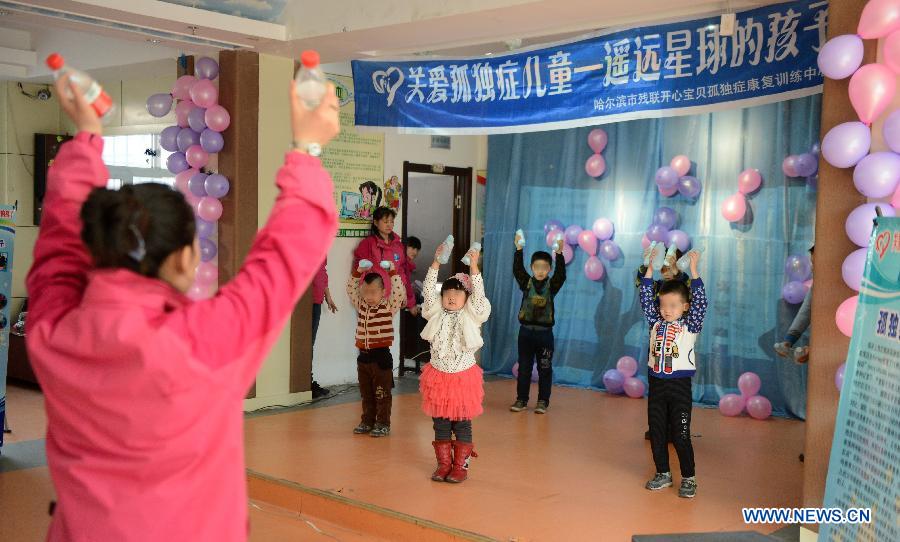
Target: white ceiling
103,33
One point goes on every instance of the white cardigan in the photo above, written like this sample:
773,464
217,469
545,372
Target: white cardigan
455,336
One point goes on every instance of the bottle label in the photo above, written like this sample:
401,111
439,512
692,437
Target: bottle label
98,98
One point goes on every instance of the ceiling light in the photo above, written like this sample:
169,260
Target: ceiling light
154,41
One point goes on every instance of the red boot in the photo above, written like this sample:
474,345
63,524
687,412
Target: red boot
443,452
461,453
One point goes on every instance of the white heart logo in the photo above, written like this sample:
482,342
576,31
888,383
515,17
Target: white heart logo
381,80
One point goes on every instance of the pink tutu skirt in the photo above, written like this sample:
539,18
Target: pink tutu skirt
457,396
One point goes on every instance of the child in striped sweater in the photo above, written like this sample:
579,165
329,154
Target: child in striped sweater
374,337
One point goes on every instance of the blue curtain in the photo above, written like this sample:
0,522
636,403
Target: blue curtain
535,177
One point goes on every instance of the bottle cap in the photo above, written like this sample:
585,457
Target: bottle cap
309,58
55,61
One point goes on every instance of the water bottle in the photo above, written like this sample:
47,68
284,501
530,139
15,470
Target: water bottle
521,234
448,248
93,93
684,263
670,254
649,253
365,264
311,82
660,258
475,246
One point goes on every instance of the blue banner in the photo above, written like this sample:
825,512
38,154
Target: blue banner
862,472
7,241
680,68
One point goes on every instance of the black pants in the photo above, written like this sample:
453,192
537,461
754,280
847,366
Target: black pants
535,345
461,428
316,316
669,413
376,378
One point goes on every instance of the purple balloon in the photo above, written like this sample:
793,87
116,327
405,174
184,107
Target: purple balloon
627,365
680,239
572,234
211,141
610,250
841,56
206,68
217,185
876,176
534,371
634,387
749,384
205,228
891,131
813,182
815,149
846,144
197,184
789,166
197,119
798,267
852,268
176,163
807,164
759,407
666,178
793,292
593,268
208,250
689,187
614,381
186,139
553,225
658,233
603,229
731,404
159,105
859,222
168,138
839,376
665,216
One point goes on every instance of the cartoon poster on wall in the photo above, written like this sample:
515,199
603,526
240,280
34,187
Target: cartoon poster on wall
356,164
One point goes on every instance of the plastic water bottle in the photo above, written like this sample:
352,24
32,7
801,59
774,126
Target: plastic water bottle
521,234
94,94
670,254
475,246
448,248
365,264
311,82
649,253
684,263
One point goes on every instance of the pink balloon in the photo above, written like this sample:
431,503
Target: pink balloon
731,404
634,387
568,253
597,140
603,228
196,156
681,164
668,192
207,273
645,243
808,283
595,166
553,236
749,384
879,18
846,314
182,88
749,181
182,110
209,209
192,200
759,407
588,242
181,180
199,292
204,93
891,51
734,207
217,118
593,268
872,89
627,365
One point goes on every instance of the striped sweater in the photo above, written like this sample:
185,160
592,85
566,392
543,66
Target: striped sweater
375,323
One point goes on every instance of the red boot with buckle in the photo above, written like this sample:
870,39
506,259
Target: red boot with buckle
444,454
462,451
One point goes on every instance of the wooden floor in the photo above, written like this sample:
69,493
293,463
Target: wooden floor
576,473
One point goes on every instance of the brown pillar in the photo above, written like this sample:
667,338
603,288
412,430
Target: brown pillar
836,198
238,161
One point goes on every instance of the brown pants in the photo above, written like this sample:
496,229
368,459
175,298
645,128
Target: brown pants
376,378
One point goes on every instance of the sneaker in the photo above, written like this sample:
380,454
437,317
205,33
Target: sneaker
662,480
518,406
318,391
541,407
362,429
380,430
801,354
688,489
784,350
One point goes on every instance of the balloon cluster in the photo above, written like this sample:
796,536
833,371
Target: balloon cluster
662,230
596,165
596,242
674,179
757,406
797,270
735,206
622,379
197,134
872,89
805,165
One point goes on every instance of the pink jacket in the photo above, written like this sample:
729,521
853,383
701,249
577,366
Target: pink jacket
376,249
320,284
143,388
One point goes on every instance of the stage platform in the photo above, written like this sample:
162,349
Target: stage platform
577,473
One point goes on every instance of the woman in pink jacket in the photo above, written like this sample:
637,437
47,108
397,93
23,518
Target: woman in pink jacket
144,387
383,244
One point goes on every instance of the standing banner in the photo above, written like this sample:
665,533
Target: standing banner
7,241
865,455
356,164
679,68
